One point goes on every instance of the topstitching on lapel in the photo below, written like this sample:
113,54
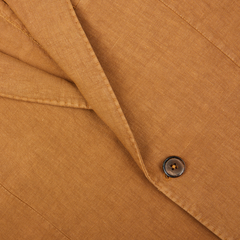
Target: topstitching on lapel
55,26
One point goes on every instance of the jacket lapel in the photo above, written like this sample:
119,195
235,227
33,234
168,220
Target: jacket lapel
58,31
37,85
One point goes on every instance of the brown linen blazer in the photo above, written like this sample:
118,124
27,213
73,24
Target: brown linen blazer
95,95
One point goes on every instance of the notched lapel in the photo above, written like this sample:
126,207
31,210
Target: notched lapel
58,31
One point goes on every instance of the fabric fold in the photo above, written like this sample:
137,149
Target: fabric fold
62,37
59,32
30,84
12,36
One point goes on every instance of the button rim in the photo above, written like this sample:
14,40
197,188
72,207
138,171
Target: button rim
164,168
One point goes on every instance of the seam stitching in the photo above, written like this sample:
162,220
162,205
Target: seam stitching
25,32
197,30
41,216
131,138
89,48
48,101
67,104
76,4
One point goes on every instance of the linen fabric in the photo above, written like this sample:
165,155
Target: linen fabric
95,95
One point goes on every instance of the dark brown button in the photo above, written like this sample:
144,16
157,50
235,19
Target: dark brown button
173,166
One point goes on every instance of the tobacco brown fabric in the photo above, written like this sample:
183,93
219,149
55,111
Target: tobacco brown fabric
95,95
